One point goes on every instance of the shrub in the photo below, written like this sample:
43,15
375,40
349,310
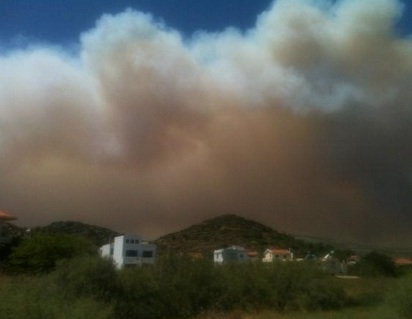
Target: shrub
301,286
87,276
39,253
175,287
376,264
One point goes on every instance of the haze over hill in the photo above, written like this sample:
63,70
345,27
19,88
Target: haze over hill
228,230
204,237
214,233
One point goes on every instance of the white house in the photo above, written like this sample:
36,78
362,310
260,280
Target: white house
230,254
4,217
129,250
277,254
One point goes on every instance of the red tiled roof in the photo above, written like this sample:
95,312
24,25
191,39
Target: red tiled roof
403,261
252,253
278,251
6,216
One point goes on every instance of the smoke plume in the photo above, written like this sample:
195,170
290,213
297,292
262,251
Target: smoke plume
303,122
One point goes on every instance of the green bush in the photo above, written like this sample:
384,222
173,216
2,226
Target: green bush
175,287
87,276
40,253
301,286
375,264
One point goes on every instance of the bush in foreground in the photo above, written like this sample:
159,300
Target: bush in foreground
181,288
40,253
175,287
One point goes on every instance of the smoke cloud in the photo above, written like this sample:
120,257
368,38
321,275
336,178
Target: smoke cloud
303,122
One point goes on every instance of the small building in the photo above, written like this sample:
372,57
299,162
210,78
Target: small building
277,254
4,217
129,250
401,261
253,255
230,254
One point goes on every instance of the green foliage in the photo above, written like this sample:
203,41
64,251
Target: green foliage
375,264
175,287
6,249
301,286
87,276
40,252
180,288
98,235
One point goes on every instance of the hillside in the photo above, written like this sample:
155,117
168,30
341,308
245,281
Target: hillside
98,235
230,230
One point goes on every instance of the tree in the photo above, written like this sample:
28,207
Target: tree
376,264
40,252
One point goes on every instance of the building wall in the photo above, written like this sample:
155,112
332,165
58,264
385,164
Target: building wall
230,254
129,250
268,257
107,250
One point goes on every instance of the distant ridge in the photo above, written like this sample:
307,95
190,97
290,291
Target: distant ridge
98,235
226,230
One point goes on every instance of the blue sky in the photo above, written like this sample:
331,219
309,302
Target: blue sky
62,21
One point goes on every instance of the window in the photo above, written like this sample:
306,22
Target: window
132,253
127,241
147,254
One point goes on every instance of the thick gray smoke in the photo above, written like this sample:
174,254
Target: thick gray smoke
303,122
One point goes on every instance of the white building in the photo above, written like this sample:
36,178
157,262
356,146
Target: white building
129,250
230,254
4,217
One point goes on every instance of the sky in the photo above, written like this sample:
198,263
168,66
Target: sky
149,116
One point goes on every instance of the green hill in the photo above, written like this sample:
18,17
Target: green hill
230,230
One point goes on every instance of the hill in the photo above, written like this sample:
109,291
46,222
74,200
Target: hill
98,235
230,230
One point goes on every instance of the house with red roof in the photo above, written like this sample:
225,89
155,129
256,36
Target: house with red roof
402,261
4,217
277,254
